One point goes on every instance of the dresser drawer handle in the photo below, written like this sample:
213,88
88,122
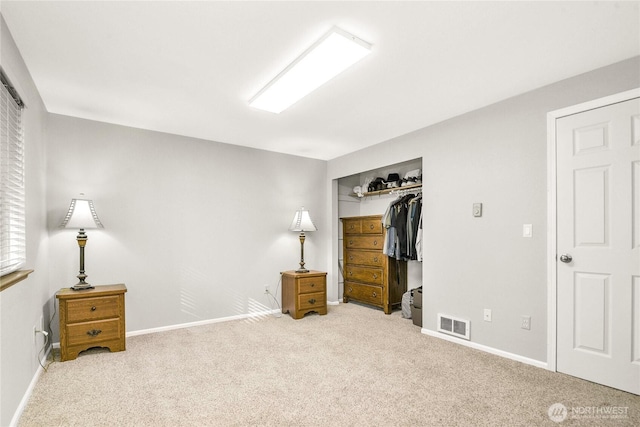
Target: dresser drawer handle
93,308
313,284
375,243
375,259
351,242
371,226
350,289
350,257
375,294
94,332
375,276
352,226
312,301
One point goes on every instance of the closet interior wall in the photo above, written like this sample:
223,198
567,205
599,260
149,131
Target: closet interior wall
349,205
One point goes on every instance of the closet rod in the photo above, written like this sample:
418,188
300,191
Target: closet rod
404,192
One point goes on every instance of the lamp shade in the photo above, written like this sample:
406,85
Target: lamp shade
82,215
302,221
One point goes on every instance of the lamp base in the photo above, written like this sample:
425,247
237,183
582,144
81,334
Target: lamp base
82,286
302,270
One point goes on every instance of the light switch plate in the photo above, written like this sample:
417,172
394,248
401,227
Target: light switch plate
477,209
527,230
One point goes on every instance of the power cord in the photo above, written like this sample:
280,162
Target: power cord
46,343
274,299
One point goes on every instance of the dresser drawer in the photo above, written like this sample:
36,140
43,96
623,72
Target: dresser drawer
90,332
85,309
311,301
375,259
365,242
352,226
311,284
364,274
361,292
372,226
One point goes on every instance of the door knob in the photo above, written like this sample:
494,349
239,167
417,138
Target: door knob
566,258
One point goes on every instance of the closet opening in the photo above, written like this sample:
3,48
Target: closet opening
381,263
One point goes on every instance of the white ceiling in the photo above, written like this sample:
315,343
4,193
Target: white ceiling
189,68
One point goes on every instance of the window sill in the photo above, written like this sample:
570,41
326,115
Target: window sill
11,279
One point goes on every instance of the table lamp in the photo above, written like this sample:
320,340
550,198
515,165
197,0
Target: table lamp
81,215
302,222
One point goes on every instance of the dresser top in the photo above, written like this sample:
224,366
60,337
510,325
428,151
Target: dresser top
374,217
99,290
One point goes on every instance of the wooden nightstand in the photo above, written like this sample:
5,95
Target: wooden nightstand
91,318
304,292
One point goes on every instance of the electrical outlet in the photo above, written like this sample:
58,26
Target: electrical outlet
526,322
487,315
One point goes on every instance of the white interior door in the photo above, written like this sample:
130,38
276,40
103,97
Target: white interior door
598,245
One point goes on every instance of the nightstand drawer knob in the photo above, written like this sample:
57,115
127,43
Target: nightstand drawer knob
93,308
313,284
94,332
312,301
375,276
375,294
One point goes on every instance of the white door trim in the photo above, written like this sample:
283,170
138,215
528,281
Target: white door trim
552,209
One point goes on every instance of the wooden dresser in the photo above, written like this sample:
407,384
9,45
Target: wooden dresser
91,318
304,292
370,276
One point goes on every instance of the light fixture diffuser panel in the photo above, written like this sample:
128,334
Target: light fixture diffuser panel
333,53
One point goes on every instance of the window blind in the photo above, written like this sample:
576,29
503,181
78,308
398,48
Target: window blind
12,189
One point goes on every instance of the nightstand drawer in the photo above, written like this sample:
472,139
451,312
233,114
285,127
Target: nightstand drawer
310,301
365,242
89,332
374,259
85,309
311,284
364,274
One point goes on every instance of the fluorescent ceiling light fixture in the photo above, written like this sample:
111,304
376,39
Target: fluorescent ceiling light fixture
333,53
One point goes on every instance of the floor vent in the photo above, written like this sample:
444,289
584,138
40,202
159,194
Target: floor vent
452,326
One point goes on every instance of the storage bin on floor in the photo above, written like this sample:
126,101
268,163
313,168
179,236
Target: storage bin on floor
416,307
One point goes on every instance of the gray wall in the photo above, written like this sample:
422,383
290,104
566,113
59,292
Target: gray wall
496,156
194,228
22,305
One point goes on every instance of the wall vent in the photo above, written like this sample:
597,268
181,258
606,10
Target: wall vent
453,326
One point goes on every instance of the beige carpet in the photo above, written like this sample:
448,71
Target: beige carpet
355,366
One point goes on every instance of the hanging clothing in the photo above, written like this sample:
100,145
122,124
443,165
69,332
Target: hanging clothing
401,220
419,239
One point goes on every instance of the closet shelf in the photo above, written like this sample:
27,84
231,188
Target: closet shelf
386,191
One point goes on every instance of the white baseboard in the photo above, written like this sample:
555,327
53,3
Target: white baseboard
203,322
333,302
486,349
27,394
